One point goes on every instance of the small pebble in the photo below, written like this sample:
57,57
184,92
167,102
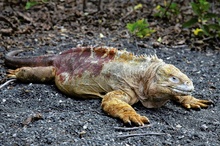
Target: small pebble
204,127
178,126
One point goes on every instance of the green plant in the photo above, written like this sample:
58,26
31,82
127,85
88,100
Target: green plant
140,28
30,4
207,23
168,10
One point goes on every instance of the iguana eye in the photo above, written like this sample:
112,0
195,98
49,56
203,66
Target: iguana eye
174,79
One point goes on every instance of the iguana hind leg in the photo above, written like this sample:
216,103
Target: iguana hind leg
115,103
190,102
33,74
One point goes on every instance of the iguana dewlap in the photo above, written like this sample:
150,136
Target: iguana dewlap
118,77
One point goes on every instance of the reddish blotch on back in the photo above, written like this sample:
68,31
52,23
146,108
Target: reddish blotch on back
76,61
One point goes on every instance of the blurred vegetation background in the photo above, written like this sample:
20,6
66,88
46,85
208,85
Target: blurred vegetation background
195,23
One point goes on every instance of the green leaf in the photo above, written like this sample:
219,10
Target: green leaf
204,5
205,29
138,6
131,27
196,9
214,27
140,28
141,22
210,15
191,22
139,34
173,6
218,20
30,4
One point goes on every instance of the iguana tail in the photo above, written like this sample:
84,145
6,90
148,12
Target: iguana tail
14,61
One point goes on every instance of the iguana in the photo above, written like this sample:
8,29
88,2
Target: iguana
119,77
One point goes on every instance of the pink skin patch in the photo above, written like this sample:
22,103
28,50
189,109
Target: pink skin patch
43,61
78,60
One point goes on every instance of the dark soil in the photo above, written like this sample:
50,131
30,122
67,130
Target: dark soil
39,114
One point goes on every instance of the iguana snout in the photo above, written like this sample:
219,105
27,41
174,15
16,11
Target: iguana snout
173,81
184,89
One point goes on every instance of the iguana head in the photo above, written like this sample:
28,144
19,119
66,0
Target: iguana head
170,80
161,82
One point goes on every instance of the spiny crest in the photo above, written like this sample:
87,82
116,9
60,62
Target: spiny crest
98,51
148,58
128,56
154,58
104,51
124,55
110,53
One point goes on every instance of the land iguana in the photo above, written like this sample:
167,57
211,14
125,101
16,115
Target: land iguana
119,77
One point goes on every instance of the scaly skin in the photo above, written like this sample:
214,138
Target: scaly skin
118,77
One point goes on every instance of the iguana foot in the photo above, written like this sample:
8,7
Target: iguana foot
130,118
189,102
115,103
12,73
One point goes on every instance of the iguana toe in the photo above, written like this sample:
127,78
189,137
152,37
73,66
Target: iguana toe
12,73
195,106
193,103
187,106
135,119
206,102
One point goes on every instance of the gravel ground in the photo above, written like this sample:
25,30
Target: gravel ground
38,114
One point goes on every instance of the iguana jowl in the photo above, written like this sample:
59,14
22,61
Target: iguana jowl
118,77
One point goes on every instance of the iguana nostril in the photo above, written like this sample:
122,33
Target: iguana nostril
187,83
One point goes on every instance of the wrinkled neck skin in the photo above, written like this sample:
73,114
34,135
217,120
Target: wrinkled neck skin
149,93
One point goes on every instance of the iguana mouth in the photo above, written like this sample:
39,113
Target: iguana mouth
185,92
182,89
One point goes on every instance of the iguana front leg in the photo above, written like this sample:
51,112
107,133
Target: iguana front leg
192,102
115,103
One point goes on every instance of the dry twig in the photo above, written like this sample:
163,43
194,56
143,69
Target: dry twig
6,83
25,17
131,128
140,134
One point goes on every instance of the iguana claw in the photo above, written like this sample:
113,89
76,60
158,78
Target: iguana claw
12,73
134,118
189,102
